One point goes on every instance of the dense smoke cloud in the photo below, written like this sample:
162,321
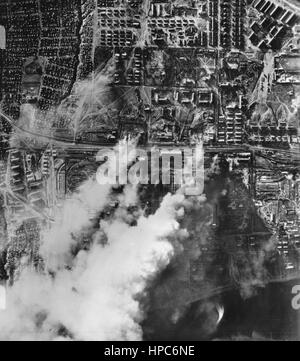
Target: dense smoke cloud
96,294
95,276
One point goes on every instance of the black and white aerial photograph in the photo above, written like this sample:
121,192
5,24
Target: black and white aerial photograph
149,171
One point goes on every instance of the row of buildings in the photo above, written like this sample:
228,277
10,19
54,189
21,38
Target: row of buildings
275,11
231,128
226,23
172,25
274,23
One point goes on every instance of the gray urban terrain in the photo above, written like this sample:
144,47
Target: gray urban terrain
78,77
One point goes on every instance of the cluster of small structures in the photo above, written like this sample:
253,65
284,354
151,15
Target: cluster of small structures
272,24
40,30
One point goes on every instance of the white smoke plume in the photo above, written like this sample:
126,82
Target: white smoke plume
86,107
97,294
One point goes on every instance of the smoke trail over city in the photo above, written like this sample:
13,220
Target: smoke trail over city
96,272
96,294
149,169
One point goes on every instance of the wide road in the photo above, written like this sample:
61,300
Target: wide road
68,147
